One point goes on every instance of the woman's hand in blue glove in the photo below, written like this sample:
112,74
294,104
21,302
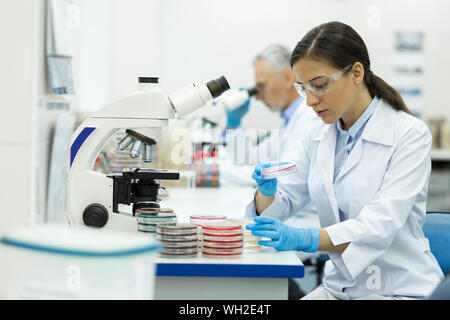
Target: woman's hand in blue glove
267,187
284,237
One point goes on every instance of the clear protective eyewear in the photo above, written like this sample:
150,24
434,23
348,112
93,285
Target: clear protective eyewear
320,85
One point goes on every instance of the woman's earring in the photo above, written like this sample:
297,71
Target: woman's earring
357,81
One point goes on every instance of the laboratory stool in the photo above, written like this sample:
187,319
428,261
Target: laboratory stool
437,229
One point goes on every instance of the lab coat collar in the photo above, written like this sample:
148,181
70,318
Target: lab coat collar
379,128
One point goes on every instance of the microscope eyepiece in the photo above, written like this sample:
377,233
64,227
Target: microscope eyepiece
252,91
148,79
218,86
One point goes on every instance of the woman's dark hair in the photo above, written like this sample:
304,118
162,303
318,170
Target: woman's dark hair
340,45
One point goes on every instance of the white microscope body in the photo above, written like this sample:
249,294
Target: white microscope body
90,193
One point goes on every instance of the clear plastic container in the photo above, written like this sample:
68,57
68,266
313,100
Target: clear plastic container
281,169
54,262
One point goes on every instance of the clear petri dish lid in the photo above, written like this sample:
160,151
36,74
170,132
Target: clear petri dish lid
222,250
185,250
241,221
178,255
227,237
179,243
224,227
179,228
160,215
279,169
223,244
147,210
170,237
156,222
221,255
203,218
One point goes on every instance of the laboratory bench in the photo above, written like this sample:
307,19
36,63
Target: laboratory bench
256,275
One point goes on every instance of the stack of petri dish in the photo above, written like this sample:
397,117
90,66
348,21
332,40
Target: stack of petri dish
280,169
149,218
222,240
200,219
179,240
250,241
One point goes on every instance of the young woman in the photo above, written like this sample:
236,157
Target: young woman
367,173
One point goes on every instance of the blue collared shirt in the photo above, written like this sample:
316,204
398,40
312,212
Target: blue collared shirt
287,113
346,140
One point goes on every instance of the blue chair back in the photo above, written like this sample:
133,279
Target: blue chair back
442,292
437,229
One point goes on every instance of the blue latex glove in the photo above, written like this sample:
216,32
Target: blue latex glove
234,116
284,237
267,187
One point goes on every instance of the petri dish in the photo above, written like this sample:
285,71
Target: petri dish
233,250
200,219
147,210
281,169
170,237
179,244
222,228
222,244
178,255
187,250
147,218
177,229
221,255
165,210
222,237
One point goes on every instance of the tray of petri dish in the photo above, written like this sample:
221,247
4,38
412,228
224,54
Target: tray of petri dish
222,240
280,169
179,240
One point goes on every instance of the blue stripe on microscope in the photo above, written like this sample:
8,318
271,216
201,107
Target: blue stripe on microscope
76,145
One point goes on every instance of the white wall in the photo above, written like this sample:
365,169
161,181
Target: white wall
197,40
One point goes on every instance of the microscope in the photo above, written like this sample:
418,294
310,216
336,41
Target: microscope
109,201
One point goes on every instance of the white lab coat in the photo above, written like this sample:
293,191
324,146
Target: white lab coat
383,187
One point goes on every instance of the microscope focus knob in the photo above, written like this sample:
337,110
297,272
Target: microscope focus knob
95,215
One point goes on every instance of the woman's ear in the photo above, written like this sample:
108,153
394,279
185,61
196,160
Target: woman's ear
357,73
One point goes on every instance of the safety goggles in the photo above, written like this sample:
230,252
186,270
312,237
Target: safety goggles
319,86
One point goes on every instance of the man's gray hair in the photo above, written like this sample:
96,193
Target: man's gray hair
278,56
